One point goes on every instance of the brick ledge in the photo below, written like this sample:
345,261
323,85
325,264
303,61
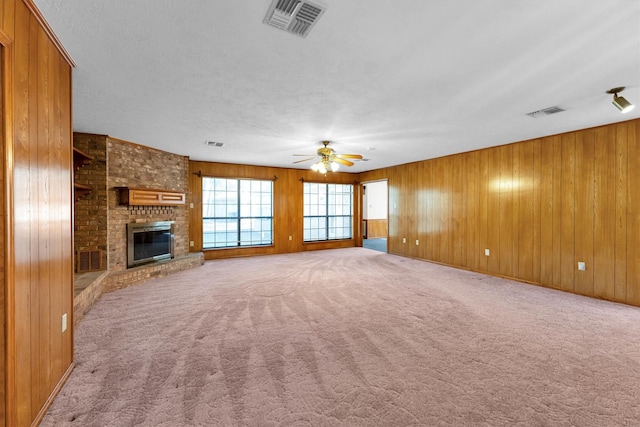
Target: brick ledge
122,279
112,281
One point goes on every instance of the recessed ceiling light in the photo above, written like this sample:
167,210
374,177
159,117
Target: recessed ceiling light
371,148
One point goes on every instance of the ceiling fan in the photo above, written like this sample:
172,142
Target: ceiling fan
328,159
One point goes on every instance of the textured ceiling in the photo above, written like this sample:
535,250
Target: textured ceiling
396,81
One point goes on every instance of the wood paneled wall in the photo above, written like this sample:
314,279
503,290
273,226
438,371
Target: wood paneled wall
539,206
38,236
288,207
3,240
376,228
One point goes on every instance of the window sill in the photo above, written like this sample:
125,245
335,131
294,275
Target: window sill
233,248
327,241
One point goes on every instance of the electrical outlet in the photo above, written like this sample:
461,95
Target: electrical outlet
487,252
191,243
290,237
191,205
404,240
582,266
64,322
417,242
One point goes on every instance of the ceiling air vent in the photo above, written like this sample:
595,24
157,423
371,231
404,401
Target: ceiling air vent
294,16
547,111
214,144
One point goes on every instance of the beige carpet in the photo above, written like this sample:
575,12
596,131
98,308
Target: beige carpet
350,337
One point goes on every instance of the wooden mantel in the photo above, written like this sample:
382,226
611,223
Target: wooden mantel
150,197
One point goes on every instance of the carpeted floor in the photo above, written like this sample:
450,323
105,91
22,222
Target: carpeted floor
350,337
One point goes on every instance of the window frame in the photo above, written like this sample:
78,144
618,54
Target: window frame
327,216
238,218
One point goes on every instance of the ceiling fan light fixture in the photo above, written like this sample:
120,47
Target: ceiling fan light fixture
329,160
620,102
319,167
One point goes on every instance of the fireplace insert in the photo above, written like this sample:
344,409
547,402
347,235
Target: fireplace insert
149,242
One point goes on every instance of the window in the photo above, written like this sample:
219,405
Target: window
236,212
328,213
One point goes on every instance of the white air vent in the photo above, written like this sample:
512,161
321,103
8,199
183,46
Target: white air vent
294,16
214,144
547,111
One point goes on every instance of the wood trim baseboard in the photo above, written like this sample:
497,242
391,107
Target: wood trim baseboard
53,395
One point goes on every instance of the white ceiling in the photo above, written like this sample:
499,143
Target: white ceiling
396,81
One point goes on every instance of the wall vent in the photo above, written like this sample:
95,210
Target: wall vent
547,111
294,16
89,260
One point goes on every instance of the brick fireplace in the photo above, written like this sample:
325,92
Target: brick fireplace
132,165
101,221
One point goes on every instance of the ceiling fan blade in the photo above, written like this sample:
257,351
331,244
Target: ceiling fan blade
350,156
304,160
342,161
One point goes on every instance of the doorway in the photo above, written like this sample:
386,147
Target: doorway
375,223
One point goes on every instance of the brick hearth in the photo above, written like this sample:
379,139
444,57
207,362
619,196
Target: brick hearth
100,222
